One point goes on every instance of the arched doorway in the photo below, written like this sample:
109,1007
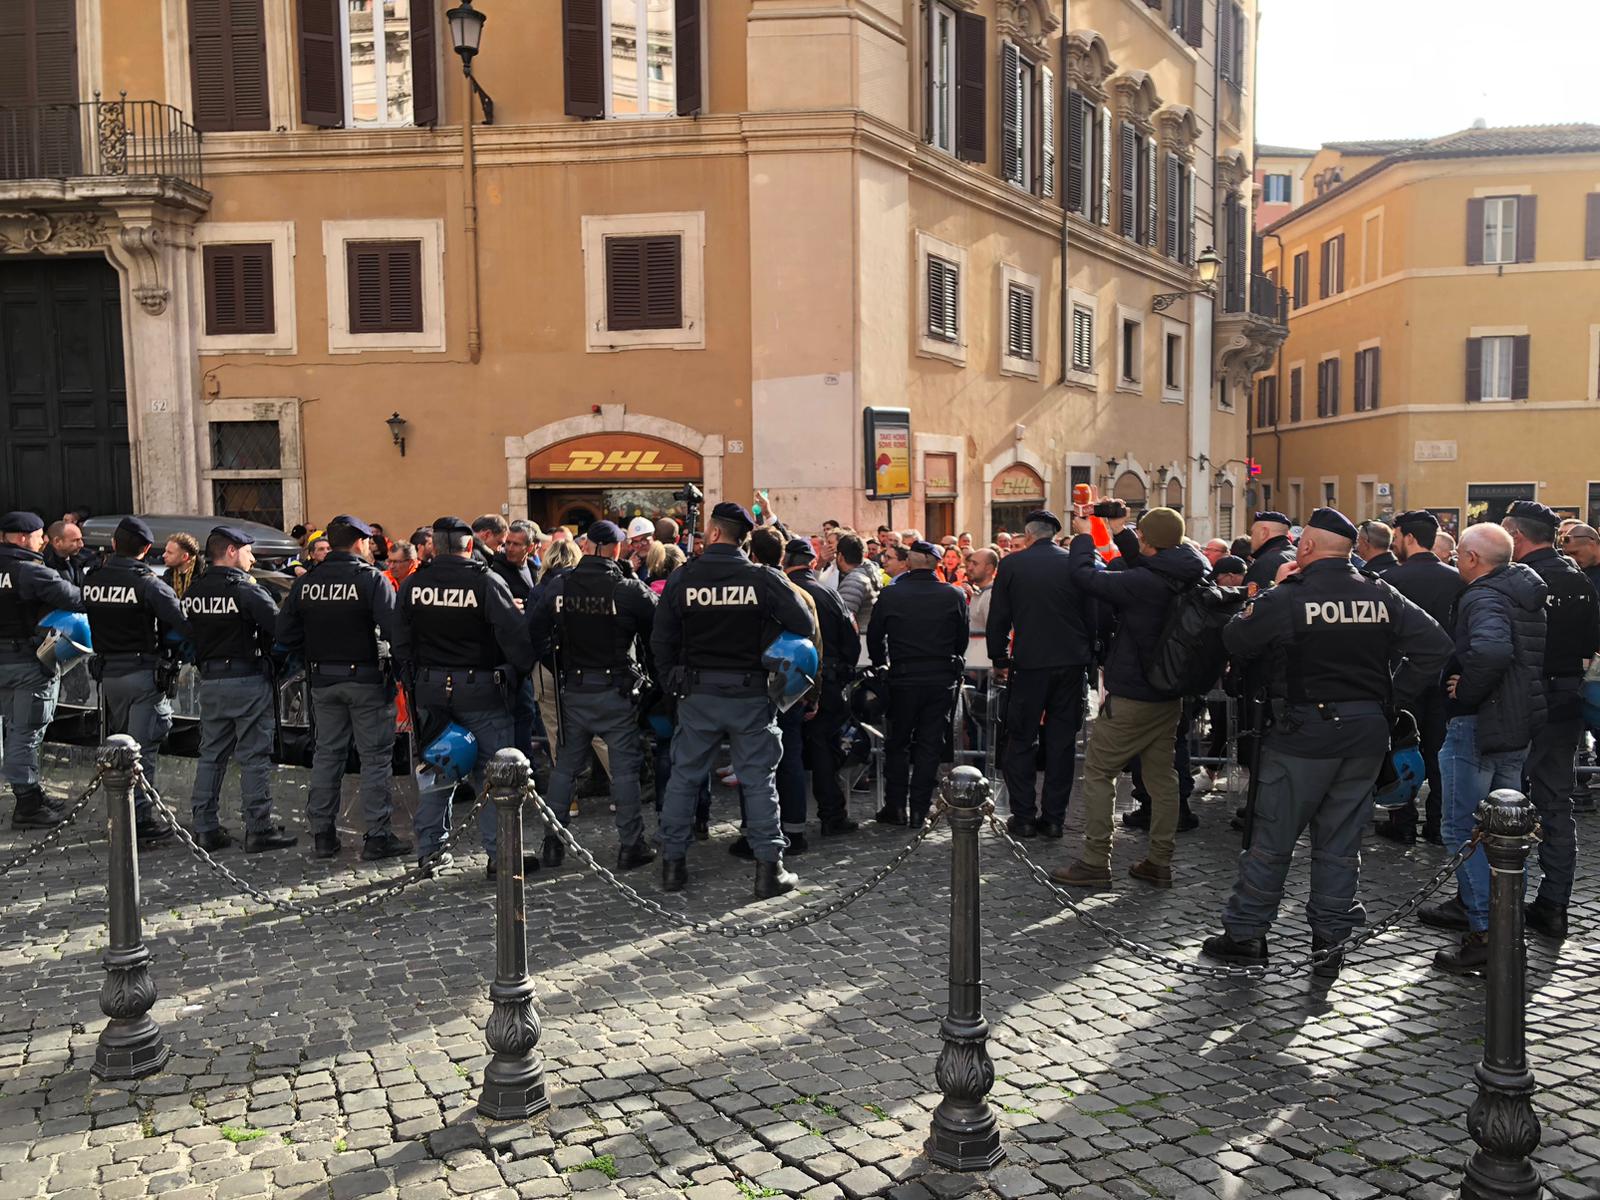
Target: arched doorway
1130,489
610,476
1015,492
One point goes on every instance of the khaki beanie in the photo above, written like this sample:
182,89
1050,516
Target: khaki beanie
1161,528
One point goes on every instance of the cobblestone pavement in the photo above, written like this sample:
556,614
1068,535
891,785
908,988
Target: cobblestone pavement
339,1059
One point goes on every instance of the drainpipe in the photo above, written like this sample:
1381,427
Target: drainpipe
1061,194
469,220
1277,425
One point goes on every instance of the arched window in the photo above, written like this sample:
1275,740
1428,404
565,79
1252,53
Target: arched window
1174,499
1225,511
1130,490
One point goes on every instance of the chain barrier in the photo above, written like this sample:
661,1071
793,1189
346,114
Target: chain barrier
56,833
724,928
296,908
1281,967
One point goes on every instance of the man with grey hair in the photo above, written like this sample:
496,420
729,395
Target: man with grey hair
1494,682
1372,547
1444,548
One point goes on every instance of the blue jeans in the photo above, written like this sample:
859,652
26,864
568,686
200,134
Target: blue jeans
1469,776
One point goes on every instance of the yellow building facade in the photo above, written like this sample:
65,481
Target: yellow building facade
251,262
1444,346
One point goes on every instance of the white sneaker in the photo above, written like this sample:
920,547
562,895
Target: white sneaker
1203,782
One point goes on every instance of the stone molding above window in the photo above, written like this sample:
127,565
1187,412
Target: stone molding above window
1179,130
1137,99
1089,63
1232,169
1029,23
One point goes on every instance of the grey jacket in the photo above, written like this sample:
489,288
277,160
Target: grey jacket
859,592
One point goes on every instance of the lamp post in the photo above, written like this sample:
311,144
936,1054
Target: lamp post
397,431
1206,266
466,31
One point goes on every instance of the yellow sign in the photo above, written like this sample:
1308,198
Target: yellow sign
1018,483
939,474
888,446
606,457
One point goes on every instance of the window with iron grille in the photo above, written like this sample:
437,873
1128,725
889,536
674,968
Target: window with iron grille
238,288
384,281
245,446
644,282
1019,322
944,299
259,500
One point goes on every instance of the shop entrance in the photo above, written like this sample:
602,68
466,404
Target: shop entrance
1015,492
608,476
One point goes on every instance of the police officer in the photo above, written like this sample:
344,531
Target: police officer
841,650
1270,548
231,620
717,616
334,618
599,622
1572,638
29,590
1329,635
1041,641
134,617
460,641
1433,587
919,629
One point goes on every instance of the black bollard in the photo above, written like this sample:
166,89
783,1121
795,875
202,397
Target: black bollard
513,1082
965,1134
131,1045
1501,1119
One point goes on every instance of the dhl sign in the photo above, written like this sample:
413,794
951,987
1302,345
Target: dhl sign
610,457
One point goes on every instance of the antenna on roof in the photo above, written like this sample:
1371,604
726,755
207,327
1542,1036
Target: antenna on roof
1480,123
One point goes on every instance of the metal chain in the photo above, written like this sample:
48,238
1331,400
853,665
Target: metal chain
724,928
394,887
55,833
1289,966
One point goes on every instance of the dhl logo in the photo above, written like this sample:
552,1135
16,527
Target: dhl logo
622,462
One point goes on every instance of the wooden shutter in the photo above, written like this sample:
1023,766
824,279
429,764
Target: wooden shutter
1011,102
1174,173
1361,380
583,49
1189,251
1105,166
425,64
321,64
1527,227
1225,36
1297,387
238,288
1082,340
1374,377
1194,15
1075,193
930,25
228,64
1047,132
1339,267
1236,285
1334,367
644,283
1474,370
1152,197
384,281
1126,179
1591,228
1519,367
688,62
1019,322
972,81
1475,211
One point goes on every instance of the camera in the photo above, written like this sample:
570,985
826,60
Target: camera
689,494
1110,509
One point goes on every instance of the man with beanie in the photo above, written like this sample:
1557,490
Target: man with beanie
1136,719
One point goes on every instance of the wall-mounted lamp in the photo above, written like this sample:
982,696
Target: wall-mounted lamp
1206,266
1162,475
466,31
397,431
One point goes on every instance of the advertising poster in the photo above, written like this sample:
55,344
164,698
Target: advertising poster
887,439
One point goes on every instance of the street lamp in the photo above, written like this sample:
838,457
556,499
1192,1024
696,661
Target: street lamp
397,431
466,31
1207,266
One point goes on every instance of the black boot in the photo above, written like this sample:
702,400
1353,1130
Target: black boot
890,815
838,826
1470,956
1224,947
1543,916
1449,914
1022,828
553,852
34,811
1139,818
269,839
797,843
702,831
1054,830
774,879
741,848
216,839
1187,821
1431,834
374,848
636,855
328,845
151,830
1330,966
674,874
530,864
1398,829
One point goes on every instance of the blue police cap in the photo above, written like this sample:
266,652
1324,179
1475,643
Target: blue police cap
234,534
1534,513
1274,515
1333,521
20,522
798,550
1043,516
1417,521
736,513
1229,564
136,527
451,525
928,548
361,528
603,533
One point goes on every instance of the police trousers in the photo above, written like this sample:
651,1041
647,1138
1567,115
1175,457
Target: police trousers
137,707
604,713
1055,698
1550,785
750,725
821,738
544,692
480,707
236,722
1333,796
27,706
919,718
364,713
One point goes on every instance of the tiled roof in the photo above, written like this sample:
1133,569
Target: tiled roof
1283,152
1368,146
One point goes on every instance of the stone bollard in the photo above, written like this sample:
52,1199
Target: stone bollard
965,1134
131,1045
513,1082
1501,1119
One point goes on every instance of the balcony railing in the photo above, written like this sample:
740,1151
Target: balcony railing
98,138
1263,298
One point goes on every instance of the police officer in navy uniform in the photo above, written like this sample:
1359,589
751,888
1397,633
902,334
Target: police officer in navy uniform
717,616
1041,641
29,590
131,614
1270,549
1342,649
841,651
1432,586
919,630
599,621
334,618
231,621
461,641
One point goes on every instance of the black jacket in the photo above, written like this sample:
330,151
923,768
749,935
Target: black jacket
1265,562
1572,618
71,569
1431,585
521,587
634,610
1036,598
29,590
718,570
1381,563
919,628
1592,574
1141,595
494,619
841,640
1499,657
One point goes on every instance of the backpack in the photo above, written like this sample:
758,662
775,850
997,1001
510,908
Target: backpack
1189,655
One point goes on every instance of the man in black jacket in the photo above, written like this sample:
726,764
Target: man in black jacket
1372,547
515,563
1495,685
1041,640
919,629
1571,640
841,650
1433,587
1270,548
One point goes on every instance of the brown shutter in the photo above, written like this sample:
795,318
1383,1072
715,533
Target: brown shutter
1225,36
644,283
384,281
687,64
1296,393
1474,370
1591,228
583,55
1078,160
425,63
1475,232
1374,377
228,64
1361,380
1519,367
1527,227
1194,15
1174,201
1127,179
321,64
1011,102
238,288
1340,275
972,81
663,282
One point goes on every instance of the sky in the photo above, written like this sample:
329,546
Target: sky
1352,69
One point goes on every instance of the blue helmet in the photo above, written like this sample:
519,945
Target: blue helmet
453,754
660,725
1400,778
791,663
1591,703
66,638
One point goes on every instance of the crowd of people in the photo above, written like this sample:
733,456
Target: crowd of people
634,654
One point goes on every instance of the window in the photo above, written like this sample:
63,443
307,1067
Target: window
1367,372
238,289
1332,267
1082,338
1131,351
1591,227
1328,387
941,89
1266,402
1297,389
1137,214
246,461
1497,368
1500,230
368,63
1230,42
1019,295
954,90
384,284
1225,510
944,299
1185,17
632,58
1172,364
1027,123
1330,493
1277,189
1088,182
1297,491
1302,273
644,283
941,300
228,65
